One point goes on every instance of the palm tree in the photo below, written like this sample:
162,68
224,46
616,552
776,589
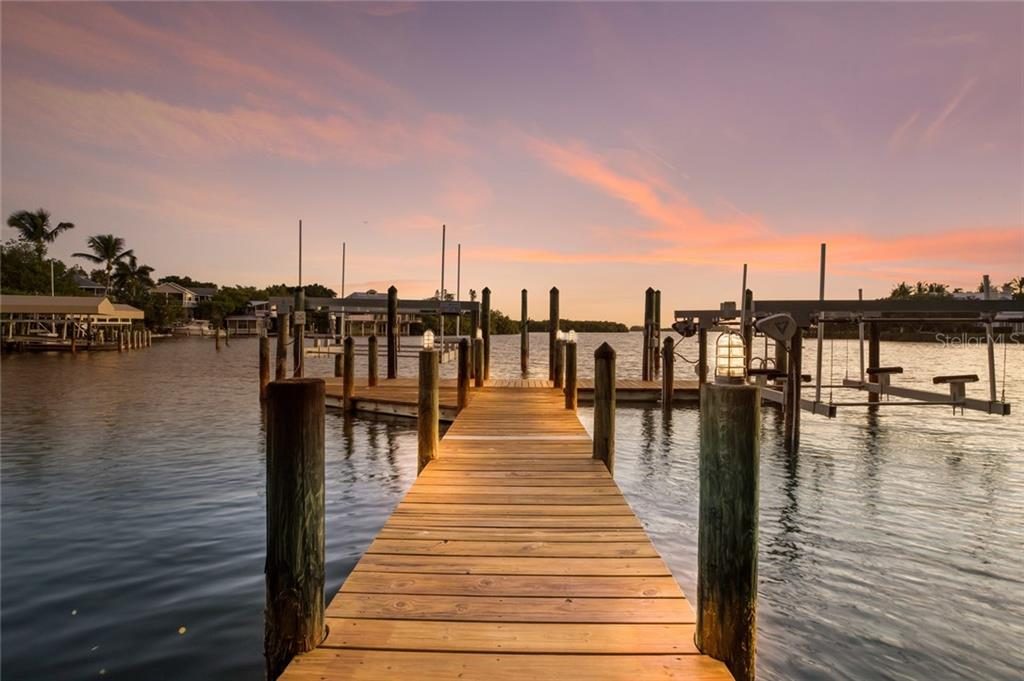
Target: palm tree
1016,285
35,228
131,278
902,290
107,250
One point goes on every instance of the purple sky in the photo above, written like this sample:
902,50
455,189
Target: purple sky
601,148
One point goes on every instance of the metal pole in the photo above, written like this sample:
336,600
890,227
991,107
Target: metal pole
300,253
440,297
821,326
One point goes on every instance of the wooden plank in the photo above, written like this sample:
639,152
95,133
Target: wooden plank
510,637
564,549
572,586
523,521
484,565
513,609
380,665
512,534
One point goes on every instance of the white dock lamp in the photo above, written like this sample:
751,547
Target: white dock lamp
572,336
480,334
428,340
730,357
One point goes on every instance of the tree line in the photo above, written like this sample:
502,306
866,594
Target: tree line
931,289
27,270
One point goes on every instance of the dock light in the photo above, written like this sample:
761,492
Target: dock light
559,335
428,340
730,357
480,334
572,336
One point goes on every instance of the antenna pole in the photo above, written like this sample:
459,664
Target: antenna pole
440,297
458,291
821,324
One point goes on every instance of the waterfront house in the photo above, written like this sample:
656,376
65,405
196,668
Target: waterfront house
189,298
88,286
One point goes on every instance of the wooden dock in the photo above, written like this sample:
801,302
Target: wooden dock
513,556
398,396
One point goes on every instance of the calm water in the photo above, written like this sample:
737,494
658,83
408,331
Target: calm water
132,506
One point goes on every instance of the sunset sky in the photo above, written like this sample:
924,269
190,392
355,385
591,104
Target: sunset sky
601,148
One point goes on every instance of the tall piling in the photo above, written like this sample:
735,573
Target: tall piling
348,375
571,392
298,344
727,530
604,406
264,367
371,361
702,355
874,356
646,357
281,365
524,338
656,330
478,362
463,384
668,385
428,409
552,330
559,363
485,324
392,332
294,614
791,401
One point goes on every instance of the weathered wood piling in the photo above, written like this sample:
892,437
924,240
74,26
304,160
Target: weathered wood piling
647,358
552,330
485,324
392,331
299,335
791,402
371,361
571,392
559,363
727,533
463,382
264,366
524,337
429,409
668,381
348,375
281,364
294,615
478,362
604,406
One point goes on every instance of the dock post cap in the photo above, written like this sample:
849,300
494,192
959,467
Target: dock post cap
554,289
392,288
650,289
524,290
487,289
604,351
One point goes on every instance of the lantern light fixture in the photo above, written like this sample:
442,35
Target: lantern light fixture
572,336
480,334
730,357
428,340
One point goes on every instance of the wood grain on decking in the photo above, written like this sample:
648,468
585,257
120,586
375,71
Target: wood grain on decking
513,556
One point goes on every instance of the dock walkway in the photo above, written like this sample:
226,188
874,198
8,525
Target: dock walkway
513,556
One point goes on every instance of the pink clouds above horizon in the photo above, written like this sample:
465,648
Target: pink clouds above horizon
599,148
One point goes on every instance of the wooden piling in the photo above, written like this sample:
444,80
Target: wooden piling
874,356
485,324
281,365
74,339
348,374
727,533
791,401
702,355
559,363
552,330
478,362
392,332
748,328
656,330
120,340
571,392
295,521
371,361
216,337
604,406
524,338
339,365
429,409
299,335
668,385
264,366
463,359
645,359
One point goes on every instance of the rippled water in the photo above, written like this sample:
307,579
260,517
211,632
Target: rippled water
132,506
